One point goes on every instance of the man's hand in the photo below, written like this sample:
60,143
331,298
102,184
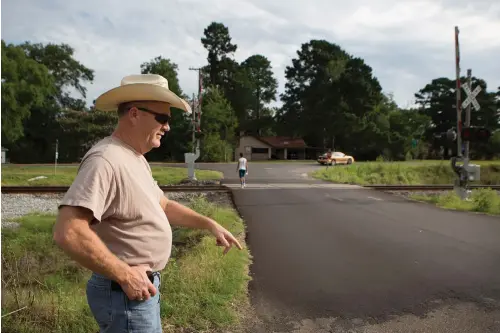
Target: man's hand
224,237
137,285
183,216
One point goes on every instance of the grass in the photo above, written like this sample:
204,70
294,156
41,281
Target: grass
403,173
18,175
481,200
201,289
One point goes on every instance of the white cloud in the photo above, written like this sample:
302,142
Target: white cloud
407,43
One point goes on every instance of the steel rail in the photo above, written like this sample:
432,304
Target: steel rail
221,188
442,187
165,188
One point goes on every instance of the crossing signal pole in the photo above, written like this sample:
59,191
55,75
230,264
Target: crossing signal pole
465,172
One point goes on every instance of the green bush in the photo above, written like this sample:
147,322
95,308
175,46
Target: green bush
403,173
486,201
481,200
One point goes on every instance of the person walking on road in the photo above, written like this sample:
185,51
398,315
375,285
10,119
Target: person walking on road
116,221
242,169
328,158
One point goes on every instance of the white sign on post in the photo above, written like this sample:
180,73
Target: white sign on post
471,97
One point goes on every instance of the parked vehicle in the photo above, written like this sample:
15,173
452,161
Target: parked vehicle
337,158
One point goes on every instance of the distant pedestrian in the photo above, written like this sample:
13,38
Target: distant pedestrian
328,158
116,221
242,169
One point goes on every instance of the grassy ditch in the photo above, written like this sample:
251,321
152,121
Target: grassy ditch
403,173
19,175
202,289
481,200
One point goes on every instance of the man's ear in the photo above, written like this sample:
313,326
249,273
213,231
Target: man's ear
133,114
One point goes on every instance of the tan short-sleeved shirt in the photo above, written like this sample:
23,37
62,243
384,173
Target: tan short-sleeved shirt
116,184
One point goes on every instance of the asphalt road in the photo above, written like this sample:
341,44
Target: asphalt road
332,258
264,173
358,260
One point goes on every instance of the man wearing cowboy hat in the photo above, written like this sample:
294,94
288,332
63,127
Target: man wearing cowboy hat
115,220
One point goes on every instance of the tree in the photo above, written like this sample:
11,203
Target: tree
79,131
41,127
256,87
328,97
176,142
218,124
218,43
25,84
66,71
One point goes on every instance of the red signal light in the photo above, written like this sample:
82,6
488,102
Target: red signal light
475,134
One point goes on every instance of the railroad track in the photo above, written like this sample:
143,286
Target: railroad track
443,187
221,188
64,189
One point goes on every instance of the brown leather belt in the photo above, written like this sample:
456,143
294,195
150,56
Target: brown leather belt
115,286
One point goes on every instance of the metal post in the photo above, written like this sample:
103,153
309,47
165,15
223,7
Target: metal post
458,106
194,123
190,158
57,155
467,116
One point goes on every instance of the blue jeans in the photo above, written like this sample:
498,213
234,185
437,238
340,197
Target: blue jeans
115,312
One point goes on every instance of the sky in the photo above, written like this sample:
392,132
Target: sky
407,43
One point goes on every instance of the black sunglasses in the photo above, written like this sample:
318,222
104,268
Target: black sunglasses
159,117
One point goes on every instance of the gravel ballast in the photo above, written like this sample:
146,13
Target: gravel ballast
17,205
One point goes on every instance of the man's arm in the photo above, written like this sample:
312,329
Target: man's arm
181,215
73,235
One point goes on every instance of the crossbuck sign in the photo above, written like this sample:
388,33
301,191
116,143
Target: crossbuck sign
471,97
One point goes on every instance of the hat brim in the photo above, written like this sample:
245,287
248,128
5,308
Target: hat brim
110,100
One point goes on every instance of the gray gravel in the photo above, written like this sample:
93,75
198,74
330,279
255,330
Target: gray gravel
17,205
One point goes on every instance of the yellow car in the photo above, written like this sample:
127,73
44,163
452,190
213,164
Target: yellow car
337,158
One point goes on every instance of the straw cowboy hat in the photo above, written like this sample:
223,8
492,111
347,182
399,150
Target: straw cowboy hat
141,87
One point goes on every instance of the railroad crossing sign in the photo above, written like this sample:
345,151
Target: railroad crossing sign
471,97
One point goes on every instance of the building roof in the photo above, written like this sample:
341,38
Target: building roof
282,141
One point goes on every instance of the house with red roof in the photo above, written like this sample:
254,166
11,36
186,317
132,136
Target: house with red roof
259,148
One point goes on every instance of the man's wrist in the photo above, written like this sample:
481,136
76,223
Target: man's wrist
122,276
209,223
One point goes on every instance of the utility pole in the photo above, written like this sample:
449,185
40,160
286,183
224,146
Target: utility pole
190,158
200,89
458,106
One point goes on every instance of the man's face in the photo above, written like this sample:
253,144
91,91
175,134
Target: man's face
149,119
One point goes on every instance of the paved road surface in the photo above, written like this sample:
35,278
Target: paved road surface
262,173
349,260
339,258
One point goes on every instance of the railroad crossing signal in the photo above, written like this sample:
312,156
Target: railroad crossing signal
471,97
475,134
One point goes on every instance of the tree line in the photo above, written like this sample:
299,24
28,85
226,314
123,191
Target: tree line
331,99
